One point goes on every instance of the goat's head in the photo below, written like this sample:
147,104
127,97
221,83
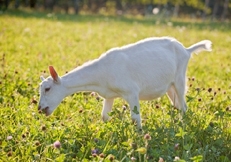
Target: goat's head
51,92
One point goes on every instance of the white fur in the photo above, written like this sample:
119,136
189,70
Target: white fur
144,70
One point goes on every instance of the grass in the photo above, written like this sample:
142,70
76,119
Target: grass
30,41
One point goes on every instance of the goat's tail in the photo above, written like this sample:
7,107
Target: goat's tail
204,45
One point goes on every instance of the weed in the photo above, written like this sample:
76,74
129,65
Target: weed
75,132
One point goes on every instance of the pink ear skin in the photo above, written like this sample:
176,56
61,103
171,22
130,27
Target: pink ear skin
54,74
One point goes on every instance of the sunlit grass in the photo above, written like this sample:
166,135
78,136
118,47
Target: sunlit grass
32,41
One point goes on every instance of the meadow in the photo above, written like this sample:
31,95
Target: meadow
31,41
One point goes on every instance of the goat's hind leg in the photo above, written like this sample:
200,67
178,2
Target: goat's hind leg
107,107
172,95
179,88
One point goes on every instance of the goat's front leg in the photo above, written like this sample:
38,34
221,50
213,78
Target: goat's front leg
107,107
133,102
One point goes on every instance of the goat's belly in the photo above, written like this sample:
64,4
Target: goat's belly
151,93
150,96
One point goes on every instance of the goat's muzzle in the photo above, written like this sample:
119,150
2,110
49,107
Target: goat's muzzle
45,110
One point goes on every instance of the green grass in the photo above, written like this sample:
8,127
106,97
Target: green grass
30,41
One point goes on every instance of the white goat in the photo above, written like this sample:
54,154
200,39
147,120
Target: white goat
144,70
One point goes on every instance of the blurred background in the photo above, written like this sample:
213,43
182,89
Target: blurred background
205,9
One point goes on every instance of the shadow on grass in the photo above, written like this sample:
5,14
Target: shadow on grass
195,24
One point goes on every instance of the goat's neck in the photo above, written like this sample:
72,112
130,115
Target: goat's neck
85,78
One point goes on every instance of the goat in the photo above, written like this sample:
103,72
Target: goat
144,70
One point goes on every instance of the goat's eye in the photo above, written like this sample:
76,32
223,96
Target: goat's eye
47,89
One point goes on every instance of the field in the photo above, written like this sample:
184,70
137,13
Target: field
30,42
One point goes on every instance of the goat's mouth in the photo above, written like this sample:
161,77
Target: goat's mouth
45,111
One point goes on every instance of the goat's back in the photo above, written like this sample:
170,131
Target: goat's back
149,65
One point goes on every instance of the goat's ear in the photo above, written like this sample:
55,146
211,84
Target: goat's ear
42,78
54,74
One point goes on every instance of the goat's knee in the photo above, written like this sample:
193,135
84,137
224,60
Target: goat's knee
184,108
136,119
105,117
